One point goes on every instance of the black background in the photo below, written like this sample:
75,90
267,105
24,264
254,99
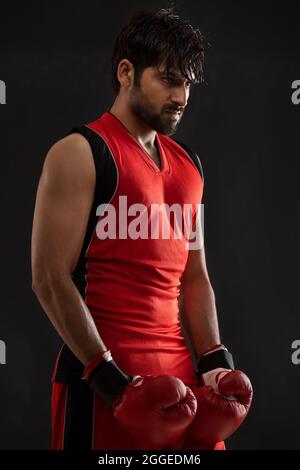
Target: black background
55,61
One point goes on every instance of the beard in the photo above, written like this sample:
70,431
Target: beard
163,122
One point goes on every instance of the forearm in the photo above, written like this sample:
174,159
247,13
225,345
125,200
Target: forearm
198,315
71,317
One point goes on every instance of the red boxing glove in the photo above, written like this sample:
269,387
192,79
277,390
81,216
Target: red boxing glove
222,406
155,410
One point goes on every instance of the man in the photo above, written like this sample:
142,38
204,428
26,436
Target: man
116,287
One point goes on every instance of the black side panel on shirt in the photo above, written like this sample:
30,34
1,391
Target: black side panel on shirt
106,182
193,156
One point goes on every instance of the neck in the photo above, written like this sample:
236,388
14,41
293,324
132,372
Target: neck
138,128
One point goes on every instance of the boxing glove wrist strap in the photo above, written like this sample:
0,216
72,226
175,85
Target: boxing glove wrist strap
213,348
214,360
105,378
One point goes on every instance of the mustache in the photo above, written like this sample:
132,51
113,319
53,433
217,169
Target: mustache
177,110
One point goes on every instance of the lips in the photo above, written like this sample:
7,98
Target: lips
173,113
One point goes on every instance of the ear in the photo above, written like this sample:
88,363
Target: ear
125,73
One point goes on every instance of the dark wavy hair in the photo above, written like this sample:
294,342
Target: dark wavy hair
159,38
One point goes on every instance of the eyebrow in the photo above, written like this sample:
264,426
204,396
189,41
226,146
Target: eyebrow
173,75
169,74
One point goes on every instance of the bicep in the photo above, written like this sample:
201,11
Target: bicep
63,202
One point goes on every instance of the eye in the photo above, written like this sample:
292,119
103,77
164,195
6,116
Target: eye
171,81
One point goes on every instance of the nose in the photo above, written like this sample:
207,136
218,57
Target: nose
180,95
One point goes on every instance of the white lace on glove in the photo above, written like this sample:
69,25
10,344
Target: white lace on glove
213,377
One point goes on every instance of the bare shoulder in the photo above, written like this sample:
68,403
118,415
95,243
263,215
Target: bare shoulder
70,159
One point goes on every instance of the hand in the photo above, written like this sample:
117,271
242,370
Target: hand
212,379
217,417
156,410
